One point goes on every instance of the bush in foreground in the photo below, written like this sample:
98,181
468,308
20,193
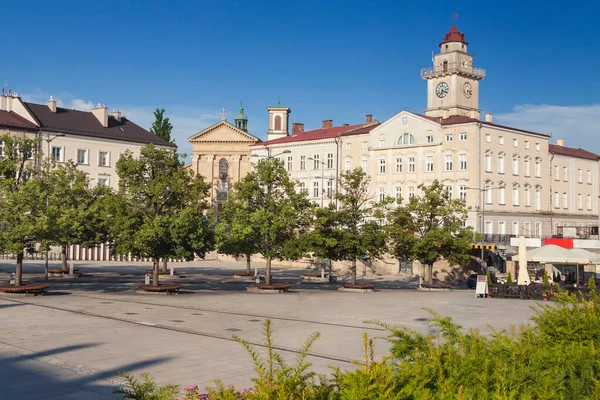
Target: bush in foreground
556,357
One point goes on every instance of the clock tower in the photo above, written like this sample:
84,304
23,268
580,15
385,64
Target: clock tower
453,81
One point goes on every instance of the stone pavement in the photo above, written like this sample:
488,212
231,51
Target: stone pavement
71,343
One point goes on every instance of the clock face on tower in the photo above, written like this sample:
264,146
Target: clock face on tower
441,90
467,90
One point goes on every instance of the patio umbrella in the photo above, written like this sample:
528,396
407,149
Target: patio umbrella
545,254
581,256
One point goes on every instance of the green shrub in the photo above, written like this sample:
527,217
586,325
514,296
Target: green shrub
146,389
509,280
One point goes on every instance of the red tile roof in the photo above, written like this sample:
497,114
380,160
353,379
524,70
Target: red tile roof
9,119
461,119
362,129
453,35
323,133
572,152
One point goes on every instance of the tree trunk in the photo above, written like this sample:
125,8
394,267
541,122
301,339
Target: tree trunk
248,264
19,269
63,258
268,271
430,273
155,271
353,268
164,266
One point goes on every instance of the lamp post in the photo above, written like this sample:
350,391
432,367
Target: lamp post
322,171
483,221
48,140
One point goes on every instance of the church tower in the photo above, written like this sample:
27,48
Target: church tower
278,121
241,121
453,81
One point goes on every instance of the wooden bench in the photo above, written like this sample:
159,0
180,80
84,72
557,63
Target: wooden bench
28,288
429,286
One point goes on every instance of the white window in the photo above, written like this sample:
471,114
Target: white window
303,188
538,229
462,192
316,162
580,176
501,194
526,166
429,163
448,137
398,165
589,202
488,138
103,182
329,188
501,228
515,228
329,160
527,145
429,139
463,136
538,167
381,143
537,147
448,163
289,163
565,174
347,146
448,189
538,198
364,145
348,165
556,200
82,157
487,189
501,163
515,142
104,159
500,139
381,194
316,189
515,195
462,162
556,173
488,162
382,165
589,176
411,192
565,201
515,165
57,154
398,194
411,164
580,201
363,164
489,230
302,163
405,138
527,196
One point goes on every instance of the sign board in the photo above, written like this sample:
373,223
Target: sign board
482,286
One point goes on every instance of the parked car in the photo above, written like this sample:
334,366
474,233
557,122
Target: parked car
472,281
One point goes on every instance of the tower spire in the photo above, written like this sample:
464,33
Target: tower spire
241,121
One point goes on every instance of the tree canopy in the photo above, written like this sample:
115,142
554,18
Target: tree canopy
161,126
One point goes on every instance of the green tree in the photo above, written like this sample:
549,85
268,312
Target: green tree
276,212
22,199
356,229
161,126
160,209
430,227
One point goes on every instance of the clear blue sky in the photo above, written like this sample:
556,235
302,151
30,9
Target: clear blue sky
329,59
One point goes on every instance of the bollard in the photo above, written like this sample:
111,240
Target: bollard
172,271
147,279
322,273
71,269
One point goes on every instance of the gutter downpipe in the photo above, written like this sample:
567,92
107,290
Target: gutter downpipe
481,195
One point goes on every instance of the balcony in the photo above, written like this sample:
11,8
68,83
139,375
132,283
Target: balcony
447,69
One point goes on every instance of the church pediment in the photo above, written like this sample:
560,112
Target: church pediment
223,132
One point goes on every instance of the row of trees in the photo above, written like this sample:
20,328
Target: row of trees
266,215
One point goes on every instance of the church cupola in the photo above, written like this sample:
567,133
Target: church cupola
241,121
279,117
453,40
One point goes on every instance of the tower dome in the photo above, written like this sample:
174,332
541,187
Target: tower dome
241,121
454,35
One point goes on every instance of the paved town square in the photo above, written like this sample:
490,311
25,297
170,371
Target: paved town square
71,342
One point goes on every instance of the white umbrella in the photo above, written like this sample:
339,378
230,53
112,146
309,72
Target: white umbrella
581,256
545,254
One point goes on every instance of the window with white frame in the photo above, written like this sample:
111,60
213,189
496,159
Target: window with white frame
556,200
290,164
448,189
411,164
538,167
462,192
329,160
429,163
487,190
302,187
302,162
448,137
556,173
405,138
104,159
382,165
580,201
398,190
411,192
462,162
538,229
527,166
537,147
448,162
57,154
589,202
538,198
398,165
82,157
429,139
515,165
515,142
489,229
347,146
515,195
500,139
501,162
381,143
348,164
565,174
565,200
527,191
501,228
515,228
364,145
580,176
381,193
488,161
329,188
488,138
527,229
501,193
363,164
316,189
316,161
588,174
103,182
527,145
462,136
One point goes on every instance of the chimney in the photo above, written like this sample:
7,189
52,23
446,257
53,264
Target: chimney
116,114
560,142
445,114
346,124
52,104
297,128
101,114
328,123
369,118
488,117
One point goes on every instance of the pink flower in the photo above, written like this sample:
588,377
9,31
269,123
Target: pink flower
190,388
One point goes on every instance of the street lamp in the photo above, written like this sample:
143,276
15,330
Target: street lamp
48,140
483,220
322,171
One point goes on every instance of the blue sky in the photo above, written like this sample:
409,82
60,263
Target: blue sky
329,59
